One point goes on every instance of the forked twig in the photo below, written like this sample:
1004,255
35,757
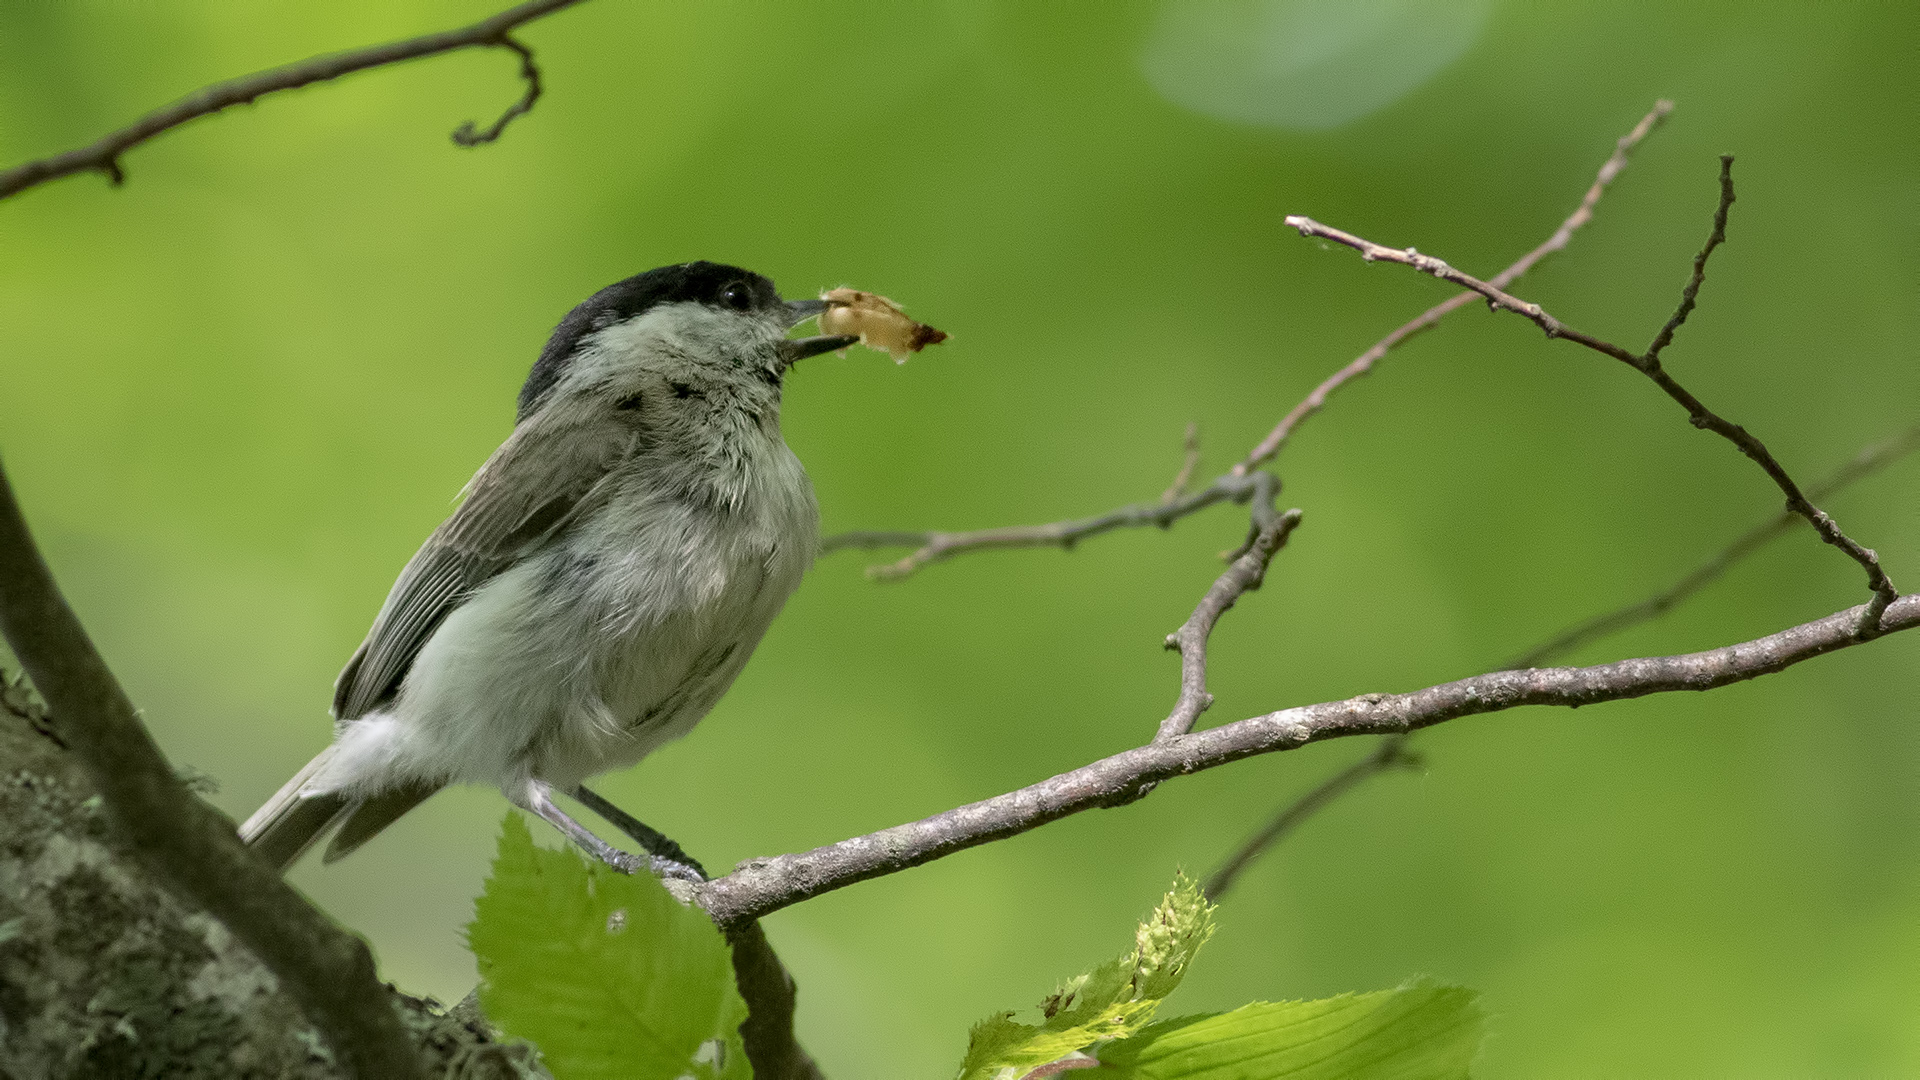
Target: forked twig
1430,318
935,546
1392,751
1648,364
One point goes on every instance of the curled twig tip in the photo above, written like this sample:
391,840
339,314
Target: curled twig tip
469,135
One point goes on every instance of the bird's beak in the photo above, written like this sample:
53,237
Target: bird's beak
799,311
792,352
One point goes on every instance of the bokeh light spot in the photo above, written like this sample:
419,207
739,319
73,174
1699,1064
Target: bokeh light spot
1305,65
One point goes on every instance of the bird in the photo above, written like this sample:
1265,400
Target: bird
605,576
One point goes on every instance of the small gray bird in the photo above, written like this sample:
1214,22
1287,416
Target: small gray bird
611,568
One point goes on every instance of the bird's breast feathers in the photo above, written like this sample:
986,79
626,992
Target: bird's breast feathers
615,638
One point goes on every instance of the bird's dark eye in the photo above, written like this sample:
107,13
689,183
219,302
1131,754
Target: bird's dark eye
737,296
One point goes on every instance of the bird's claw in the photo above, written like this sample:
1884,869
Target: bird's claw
627,862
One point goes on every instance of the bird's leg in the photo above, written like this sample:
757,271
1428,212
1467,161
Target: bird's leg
656,843
538,797
539,800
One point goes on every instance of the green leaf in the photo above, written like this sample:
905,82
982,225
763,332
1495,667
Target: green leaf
1422,1031
606,973
1115,999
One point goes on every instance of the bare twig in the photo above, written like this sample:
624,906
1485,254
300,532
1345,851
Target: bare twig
1187,466
1865,463
465,135
1392,749
1650,366
1242,576
1391,753
1690,295
182,840
760,886
932,547
1799,508
104,154
1430,318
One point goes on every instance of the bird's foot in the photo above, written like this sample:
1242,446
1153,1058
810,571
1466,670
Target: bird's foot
670,870
669,859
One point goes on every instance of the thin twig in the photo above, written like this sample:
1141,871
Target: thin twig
185,842
1430,318
103,155
760,886
1392,749
1187,466
1865,463
1649,365
1391,753
465,135
1690,295
1241,577
932,547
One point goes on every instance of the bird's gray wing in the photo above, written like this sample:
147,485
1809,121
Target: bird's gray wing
519,500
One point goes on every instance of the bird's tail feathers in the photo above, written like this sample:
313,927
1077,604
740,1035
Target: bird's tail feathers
294,820
288,824
366,817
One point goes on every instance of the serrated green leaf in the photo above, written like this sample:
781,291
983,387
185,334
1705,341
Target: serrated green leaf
1113,1000
1422,1031
606,973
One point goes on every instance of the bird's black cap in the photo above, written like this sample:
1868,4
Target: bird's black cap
699,282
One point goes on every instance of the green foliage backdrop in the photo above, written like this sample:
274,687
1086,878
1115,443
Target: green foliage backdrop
238,392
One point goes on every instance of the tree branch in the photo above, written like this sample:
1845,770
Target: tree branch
760,886
932,547
1392,752
767,1033
182,840
1649,365
104,154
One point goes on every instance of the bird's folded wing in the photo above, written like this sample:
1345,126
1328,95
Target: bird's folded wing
522,498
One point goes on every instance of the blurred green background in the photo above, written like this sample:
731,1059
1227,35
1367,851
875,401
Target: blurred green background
239,392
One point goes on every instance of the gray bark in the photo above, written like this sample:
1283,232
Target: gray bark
105,973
